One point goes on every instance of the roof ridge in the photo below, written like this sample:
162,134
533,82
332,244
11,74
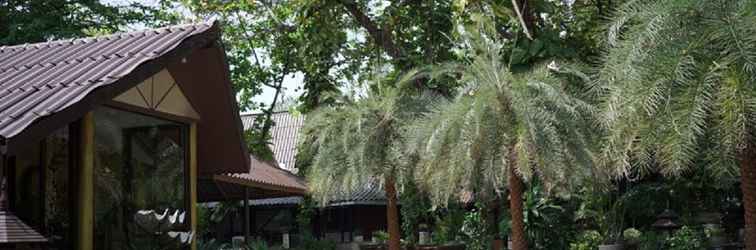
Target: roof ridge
88,39
256,113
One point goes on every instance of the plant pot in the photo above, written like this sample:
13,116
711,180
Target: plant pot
612,247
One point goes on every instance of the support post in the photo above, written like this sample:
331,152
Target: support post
246,215
193,181
85,201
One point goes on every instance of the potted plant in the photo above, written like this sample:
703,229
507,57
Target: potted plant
631,237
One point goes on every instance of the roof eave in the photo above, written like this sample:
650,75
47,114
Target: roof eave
42,127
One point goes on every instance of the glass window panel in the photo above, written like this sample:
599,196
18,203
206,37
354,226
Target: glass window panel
27,205
140,168
57,190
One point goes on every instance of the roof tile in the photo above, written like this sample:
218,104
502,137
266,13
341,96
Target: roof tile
40,79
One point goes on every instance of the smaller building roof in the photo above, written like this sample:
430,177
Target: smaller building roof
284,136
268,175
263,181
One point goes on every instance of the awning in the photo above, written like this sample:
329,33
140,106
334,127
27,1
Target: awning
263,181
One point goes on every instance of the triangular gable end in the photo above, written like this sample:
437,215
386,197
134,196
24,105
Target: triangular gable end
160,93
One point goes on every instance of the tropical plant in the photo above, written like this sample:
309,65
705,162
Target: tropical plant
677,82
544,215
447,229
588,240
358,143
502,125
474,230
686,239
380,236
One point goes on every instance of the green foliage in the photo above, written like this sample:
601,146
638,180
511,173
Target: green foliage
545,215
651,241
447,227
588,240
260,45
676,82
204,221
258,139
505,227
501,120
353,144
631,235
380,236
686,238
24,21
415,210
476,237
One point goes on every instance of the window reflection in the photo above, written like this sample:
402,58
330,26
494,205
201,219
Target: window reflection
140,177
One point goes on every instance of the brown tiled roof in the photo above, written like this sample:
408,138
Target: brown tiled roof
41,79
271,175
262,175
284,135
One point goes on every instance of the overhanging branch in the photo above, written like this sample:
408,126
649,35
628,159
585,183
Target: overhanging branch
382,37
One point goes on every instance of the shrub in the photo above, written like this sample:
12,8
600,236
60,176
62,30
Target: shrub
686,239
588,240
631,235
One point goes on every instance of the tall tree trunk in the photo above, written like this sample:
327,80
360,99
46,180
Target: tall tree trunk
392,214
519,242
748,186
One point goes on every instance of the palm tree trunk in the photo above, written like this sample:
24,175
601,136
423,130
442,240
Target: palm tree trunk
519,242
748,186
392,214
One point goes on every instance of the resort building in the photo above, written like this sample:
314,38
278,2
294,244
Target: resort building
106,141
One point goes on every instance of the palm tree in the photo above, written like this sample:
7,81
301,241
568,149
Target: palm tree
356,143
502,128
675,76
